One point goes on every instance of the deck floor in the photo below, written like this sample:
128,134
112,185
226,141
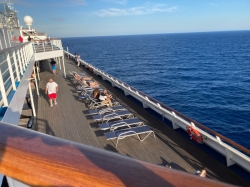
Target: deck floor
70,120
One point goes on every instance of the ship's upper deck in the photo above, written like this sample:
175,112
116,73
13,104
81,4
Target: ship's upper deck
70,120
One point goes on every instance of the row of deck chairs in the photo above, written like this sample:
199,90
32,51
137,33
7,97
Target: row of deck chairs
121,123
117,119
86,92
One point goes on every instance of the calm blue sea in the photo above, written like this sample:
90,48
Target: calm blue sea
205,76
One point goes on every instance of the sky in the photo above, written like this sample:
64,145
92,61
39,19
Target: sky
77,18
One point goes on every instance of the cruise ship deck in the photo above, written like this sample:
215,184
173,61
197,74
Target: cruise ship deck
70,120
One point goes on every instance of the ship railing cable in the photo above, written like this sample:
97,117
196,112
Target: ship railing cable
161,105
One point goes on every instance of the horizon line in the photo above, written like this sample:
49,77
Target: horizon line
152,33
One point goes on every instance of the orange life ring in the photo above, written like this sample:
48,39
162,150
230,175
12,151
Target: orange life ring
194,134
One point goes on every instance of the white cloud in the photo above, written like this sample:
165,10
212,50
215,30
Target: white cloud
146,9
212,4
122,2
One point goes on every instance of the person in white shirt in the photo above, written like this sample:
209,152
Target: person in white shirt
78,60
51,89
105,98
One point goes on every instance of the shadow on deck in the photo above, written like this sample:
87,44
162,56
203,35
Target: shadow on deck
70,120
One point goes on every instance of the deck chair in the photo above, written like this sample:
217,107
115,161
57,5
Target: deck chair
80,74
121,134
121,123
81,88
113,116
107,110
88,90
93,104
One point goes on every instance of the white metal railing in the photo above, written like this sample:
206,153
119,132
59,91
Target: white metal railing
233,152
13,63
47,45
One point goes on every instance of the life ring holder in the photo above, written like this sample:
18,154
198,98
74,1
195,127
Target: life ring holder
194,134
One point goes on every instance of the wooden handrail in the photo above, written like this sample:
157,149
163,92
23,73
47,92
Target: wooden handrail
225,139
38,159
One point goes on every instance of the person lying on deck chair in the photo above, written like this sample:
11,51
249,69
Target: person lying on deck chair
105,98
78,77
96,94
91,84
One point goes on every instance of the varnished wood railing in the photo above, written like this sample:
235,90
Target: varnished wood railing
42,160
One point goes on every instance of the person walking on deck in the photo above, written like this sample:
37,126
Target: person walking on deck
53,65
78,60
51,89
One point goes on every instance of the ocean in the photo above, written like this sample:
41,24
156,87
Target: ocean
205,76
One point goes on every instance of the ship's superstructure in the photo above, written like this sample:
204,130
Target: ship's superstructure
9,26
61,162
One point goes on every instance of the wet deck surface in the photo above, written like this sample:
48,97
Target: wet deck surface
70,120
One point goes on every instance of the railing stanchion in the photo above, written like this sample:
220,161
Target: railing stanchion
64,67
59,62
3,92
11,72
32,101
8,37
4,38
21,64
38,69
43,47
37,91
1,44
16,65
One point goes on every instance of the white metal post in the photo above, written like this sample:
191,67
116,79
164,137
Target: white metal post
64,67
11,72
31,51
4,38
16,66
58,58
1,44
37,91
68,51
11,37
3,92
61,47
20,61
23,57
32,101
34,48
43,47
38,69
8,37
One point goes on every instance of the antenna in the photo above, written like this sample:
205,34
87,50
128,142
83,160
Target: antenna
28,21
